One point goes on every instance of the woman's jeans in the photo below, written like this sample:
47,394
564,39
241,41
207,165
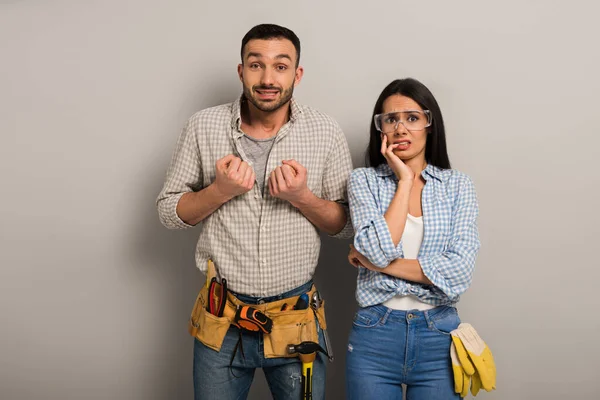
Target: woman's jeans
388,348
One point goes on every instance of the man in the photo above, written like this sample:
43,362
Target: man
261,176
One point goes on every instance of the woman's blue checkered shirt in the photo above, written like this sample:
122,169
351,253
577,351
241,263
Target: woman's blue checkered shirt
450,241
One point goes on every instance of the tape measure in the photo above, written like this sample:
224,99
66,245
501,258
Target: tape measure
250,319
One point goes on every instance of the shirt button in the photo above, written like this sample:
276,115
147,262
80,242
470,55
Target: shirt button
263,261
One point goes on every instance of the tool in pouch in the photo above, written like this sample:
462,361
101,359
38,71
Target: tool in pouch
250,319
246,317
307,352
212,312
217,296
243,316
315,303
301,303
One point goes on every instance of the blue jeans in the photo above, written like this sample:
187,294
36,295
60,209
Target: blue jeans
388,348
214,379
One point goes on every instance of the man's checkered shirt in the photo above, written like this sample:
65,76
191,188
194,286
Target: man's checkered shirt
263,246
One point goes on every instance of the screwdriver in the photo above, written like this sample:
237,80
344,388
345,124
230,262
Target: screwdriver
302,302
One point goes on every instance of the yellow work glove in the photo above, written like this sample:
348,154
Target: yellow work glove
475,383
474,355
461,379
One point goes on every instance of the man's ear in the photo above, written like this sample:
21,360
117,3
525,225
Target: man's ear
240,71
299,75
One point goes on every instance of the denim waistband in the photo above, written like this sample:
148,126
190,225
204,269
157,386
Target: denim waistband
261,300
414,315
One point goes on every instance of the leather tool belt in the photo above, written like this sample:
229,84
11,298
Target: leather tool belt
289,326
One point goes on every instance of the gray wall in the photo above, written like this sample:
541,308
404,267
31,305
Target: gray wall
95,293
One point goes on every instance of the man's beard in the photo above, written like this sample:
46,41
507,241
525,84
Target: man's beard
270,106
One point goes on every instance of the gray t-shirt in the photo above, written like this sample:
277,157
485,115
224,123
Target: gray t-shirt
257,151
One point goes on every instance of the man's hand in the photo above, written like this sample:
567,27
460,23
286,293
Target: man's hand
288,182
233,176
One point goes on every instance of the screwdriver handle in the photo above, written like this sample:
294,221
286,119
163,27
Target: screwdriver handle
302,302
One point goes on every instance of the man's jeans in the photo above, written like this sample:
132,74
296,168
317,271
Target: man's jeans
388,348
214,379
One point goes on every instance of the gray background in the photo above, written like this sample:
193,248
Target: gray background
95,293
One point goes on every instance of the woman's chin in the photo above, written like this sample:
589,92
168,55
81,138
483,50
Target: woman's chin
403,154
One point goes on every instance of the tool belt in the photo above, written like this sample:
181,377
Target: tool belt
288,326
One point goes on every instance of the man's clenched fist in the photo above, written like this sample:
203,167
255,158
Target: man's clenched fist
233,176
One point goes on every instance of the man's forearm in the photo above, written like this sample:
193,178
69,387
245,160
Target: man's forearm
328,216
194,207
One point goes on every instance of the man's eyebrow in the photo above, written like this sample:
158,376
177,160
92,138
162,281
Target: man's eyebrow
278,56
257,55
283,56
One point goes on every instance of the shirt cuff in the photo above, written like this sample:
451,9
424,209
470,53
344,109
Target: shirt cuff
374,241
347,231
432,273
169,217
390,251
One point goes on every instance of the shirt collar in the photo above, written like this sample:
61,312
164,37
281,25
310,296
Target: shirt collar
236,117
430,171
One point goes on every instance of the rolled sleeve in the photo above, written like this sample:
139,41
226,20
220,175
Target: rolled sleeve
452,270
372,236
347,231
184,175
335,179
167,212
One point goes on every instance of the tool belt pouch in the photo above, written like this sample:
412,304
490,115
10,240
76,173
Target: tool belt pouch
206,327
292,327
289,326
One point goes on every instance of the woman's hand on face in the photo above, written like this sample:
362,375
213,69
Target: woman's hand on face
402,171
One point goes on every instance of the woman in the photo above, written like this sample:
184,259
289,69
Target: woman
415,246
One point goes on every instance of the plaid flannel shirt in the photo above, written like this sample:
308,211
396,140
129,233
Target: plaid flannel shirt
261,244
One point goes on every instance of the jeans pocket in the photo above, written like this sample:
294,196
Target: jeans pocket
366,318
445,322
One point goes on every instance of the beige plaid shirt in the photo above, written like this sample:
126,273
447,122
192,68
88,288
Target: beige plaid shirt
262,245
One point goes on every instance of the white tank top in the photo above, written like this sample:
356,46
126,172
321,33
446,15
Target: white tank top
412,237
